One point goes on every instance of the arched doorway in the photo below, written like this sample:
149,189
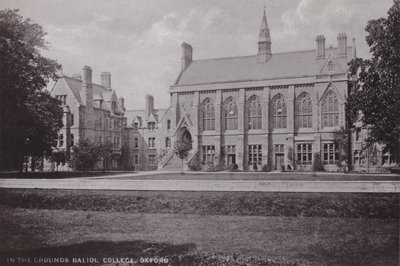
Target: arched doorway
185,136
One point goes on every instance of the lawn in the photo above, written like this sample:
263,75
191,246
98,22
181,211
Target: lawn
297,176
178,224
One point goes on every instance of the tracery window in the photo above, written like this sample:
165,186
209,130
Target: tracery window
208,115
304,111
330,110
278,112
231,114
254,112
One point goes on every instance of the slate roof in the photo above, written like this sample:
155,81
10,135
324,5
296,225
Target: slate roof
246,68
99,93
131,114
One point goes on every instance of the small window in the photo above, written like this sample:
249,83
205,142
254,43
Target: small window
152,159
208,153
255,155
60,140
135,126
168,124
151,142
331,153
136,159
151,126
136,143
167,142
72,119
72,140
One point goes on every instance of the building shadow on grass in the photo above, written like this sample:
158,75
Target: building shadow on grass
95,253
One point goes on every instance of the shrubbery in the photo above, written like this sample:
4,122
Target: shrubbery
233,167
266,168
318,165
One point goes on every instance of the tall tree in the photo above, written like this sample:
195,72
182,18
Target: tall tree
182,148
29,116
376,92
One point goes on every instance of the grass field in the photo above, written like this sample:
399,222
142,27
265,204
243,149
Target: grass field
121,223
297,176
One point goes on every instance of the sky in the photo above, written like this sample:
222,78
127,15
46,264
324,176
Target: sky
139,41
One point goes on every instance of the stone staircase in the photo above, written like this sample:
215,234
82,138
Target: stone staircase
173,164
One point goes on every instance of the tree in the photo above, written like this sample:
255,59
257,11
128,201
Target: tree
342,140
376,90
58,157
29,117
84,156
182,148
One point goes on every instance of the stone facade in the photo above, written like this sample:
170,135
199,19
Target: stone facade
91,111
278,110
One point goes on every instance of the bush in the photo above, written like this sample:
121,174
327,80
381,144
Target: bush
195,164
266,168
318,165
233,167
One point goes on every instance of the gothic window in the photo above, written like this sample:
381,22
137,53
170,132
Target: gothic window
231,114
304,111
330,110
278,112
208,115
254,112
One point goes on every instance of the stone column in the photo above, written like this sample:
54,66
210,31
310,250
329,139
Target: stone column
195,120
265,124
290,114
241,145
218,121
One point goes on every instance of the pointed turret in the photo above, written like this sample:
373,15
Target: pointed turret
264,42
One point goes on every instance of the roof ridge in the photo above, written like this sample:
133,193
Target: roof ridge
288,52
79,80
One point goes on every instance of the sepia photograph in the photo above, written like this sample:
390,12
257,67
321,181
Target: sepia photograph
205,133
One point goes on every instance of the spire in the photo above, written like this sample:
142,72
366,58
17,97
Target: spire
264,42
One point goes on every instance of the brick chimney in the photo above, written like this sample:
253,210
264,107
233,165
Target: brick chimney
149,106
106,80
320,46
342,44
187,54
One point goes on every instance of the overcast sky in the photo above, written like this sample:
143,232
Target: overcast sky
138,41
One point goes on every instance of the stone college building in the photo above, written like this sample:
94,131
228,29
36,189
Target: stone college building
275,109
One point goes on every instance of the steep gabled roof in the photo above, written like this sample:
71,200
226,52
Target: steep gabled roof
246,68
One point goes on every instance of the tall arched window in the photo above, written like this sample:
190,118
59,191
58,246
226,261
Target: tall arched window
254,112
278,112
230,114
304,111
330,110
208,115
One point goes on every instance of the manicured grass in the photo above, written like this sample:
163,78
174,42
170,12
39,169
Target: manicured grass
320,176
202,228
57,175
355,205
307,241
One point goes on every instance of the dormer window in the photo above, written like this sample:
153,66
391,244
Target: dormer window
151,126
62,99
135,126
330,66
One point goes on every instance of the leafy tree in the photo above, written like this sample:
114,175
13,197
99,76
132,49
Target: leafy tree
58,157
29,117
342,140
376,90
86,154
182,148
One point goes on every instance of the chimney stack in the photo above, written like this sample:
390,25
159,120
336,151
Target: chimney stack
122,102
106,80
187,54
354,49
87,98
342,44
149,106
320,46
